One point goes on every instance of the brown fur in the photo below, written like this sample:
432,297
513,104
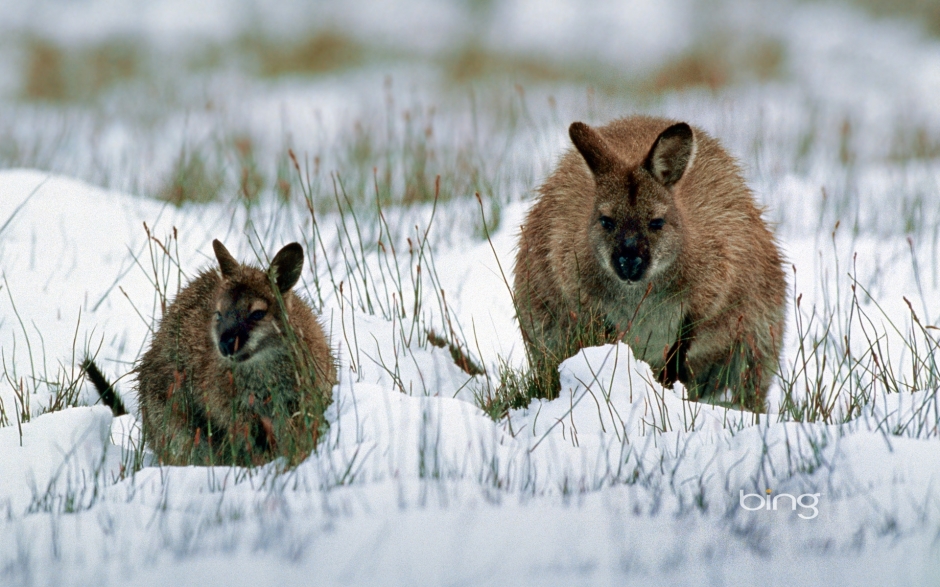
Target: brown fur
267,398
707,310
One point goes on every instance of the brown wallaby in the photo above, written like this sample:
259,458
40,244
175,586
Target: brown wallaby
239,371
646,232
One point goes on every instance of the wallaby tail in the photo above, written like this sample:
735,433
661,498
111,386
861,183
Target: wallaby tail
109,395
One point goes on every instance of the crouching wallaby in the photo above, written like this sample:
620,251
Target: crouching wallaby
239,371
647,233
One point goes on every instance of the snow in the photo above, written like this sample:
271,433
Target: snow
617,481
56,449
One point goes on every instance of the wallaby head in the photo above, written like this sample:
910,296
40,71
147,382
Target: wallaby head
247,310
635,229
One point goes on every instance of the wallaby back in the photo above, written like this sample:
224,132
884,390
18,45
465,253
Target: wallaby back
647,232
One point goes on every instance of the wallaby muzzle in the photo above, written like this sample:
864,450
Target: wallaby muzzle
233,334
629,260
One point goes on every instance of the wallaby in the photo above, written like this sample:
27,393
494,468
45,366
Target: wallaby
647,233
239,371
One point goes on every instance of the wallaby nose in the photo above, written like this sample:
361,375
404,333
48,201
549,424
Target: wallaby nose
628,262
230,342
629,268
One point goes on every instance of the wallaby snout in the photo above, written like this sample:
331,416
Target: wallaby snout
234,330
630,260
232,338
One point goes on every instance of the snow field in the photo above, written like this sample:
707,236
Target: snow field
618,481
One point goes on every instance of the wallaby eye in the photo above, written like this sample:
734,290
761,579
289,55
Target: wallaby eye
257,315
607,223
657,223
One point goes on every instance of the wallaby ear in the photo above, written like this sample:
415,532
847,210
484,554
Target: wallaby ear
671,155
227,262
286,266
592,146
